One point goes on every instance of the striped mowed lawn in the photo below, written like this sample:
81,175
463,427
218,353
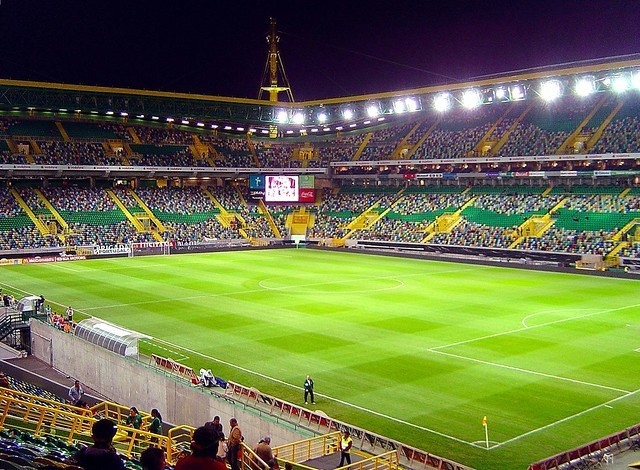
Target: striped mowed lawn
412,349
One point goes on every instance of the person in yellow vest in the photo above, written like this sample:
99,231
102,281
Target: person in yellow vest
345,449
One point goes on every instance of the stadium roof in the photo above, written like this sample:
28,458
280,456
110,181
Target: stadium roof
242,115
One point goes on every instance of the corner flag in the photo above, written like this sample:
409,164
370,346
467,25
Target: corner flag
486,430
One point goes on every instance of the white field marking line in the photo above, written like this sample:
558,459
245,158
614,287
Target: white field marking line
520,330
524,320
30,293
66,268
253,291
532,372
636,350
264,376
576,415
351,291
179,357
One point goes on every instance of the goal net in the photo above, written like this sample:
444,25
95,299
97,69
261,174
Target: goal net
150,248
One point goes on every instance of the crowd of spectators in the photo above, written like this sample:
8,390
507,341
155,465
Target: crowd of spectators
163,135
73,153
175,200
8,205
25,237
570,241
119,233
517,203
395,230
181,157
75,199
468,233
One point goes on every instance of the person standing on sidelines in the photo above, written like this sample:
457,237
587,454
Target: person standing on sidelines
233,443
76,393
345,448
308,390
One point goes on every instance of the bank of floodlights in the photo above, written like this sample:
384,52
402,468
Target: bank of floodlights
373,110
298,117
322,116
501,94
471,99
619,83
412,104
348,113
399,106
585,86
550,90
635,80
517,92
282,116
442,102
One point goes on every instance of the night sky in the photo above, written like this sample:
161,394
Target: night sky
329,48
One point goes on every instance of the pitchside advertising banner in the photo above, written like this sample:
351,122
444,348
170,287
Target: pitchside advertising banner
283,188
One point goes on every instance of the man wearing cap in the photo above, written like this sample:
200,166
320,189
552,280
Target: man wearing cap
345,448
204,446
263,450
101,455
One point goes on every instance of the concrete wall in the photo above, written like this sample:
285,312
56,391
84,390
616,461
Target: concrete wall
131,383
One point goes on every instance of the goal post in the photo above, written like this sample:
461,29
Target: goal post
149,248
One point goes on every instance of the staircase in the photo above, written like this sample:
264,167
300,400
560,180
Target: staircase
446,222
363,145
44,230
10,323
503,140
151,215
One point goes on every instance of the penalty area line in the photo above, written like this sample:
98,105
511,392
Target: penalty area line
337,400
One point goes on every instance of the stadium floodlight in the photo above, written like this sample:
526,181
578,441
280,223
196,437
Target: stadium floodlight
314,129
339,128
322,116
326,129
347,113
214,126
411,104
501,94
282,116
200,124
109,113
140,116
185,122
399,106
442,102
367,122
227,128
471,99
517,92
550,90
170,119
154,118
264,131
252,130
352,125
289,131
585,86
241,129
635,80
124,113
298,118
380,119
373,110
619,83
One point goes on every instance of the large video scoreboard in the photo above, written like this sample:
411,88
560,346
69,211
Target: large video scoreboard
283,188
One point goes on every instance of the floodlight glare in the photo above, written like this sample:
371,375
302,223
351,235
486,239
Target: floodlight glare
282,116
501,93
185,122
372,111
635,80
347,113
471,99
550,90
399,106
298,118
322,117
412,104
620,84
442,102
517,92
585,86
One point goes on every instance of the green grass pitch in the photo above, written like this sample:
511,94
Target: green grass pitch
415,350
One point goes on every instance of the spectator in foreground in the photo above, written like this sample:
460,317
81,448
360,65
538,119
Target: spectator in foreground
203,452
152,459
101,455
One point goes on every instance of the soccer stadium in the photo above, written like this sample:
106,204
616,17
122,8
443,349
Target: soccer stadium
455,267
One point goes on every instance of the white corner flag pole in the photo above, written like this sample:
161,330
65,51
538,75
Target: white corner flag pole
486,430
